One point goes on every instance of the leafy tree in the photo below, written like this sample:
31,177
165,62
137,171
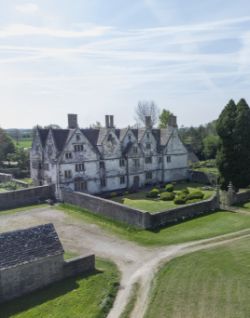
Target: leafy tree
164,117
6,145
147,108
210,146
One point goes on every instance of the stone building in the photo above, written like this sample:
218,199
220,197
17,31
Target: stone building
33,258
107,159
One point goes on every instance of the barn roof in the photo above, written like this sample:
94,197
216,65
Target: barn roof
29,245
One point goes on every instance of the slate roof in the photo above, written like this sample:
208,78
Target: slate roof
43,133
28,245
60,137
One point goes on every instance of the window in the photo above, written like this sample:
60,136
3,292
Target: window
78,148
68,155
136,163
80,186
102,164
148,135
129,137
78,137
148,146
103,182
135,149
122,162
79,167
149,175
168,158
148,160
122,179
67,174
160,160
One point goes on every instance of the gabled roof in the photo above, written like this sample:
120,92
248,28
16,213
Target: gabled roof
60,137
28,245
43,133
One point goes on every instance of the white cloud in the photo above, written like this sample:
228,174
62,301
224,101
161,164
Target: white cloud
27,8
30,30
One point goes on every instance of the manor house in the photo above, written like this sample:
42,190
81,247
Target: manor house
97,160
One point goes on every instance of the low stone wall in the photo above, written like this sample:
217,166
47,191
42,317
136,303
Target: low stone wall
4,177
202,177
79,265
183,213
107,208
18,198
137,218
242,197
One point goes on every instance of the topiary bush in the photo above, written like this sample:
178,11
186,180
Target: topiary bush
196,195
154,193
185,191
167,196
181,199
169,187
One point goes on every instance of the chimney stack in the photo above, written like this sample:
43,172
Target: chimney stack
109,121
172,121
72,121
148,122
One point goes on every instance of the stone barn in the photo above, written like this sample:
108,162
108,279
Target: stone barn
33,258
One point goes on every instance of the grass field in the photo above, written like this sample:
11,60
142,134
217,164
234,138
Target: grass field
23,143
212,283
200,228
82,297
139,200
245,206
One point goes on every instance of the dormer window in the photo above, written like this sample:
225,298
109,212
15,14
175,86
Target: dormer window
129,137
148,136
110,138
135,149
78,148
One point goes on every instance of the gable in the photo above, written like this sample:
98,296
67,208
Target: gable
175,145
111,144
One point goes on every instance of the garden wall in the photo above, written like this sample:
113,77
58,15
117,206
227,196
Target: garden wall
202,177
110,209
18,198
4,177
137,218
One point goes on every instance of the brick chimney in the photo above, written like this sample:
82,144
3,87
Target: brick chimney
148,121
172,121
72,121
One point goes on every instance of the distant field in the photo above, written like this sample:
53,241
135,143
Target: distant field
81,297
221,222
24,143
212,283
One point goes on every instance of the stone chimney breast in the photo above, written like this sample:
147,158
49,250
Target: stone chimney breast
72,121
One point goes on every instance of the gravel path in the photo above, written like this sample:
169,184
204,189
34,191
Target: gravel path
135,262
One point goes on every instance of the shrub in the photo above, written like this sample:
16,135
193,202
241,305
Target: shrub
196,195
169,187
154,193
167,196
181,198
185,191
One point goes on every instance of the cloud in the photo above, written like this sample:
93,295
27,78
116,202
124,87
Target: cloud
27,8
17,30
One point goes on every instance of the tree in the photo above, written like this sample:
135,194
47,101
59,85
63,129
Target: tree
227,160
147,108
96,125
6,145
210,146
164,117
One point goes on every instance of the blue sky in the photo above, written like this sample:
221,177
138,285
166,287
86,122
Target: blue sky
97,57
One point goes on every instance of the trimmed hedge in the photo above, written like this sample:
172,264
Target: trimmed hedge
196,195
169,187
154,193
167,196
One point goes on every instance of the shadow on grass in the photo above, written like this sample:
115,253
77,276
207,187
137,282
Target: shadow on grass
36,298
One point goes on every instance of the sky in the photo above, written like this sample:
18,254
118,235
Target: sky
97,57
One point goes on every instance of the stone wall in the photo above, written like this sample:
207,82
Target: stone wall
110,209
183,213
4,177
18,198
202,177
19,280
137,218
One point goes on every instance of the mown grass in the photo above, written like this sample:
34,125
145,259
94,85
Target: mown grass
211,283
221,222
25,208
91,296
244,206
141,202
23,143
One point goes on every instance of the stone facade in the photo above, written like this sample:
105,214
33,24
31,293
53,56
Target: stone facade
107,159
31,259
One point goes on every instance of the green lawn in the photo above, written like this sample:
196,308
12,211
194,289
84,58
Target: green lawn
211,283
82,297
245,206
139,200
24,143
200,228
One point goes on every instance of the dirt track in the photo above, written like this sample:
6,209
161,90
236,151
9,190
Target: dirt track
136,263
